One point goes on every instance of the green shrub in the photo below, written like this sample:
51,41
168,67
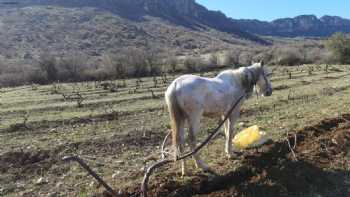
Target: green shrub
339,45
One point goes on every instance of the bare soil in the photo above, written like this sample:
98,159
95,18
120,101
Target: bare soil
321,167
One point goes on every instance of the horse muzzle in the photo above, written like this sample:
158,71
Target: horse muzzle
268,92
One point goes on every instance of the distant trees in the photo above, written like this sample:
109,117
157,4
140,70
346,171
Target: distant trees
339,46
132,62
117,63
147,61
192,64
232,58
68,68
214,60
48,64
289,56
173,63
72,67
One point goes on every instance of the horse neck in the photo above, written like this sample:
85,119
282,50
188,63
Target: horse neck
249,77
228,76
254,70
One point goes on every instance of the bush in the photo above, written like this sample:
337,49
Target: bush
48,64
315,55
192,64
288,56
232,58
339,46
116,64
245,58
214,60
71,68
172,62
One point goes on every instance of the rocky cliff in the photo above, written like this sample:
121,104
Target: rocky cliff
304,25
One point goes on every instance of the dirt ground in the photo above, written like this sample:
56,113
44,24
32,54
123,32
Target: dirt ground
320,167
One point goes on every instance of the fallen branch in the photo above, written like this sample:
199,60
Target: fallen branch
91,172
150,170
290,147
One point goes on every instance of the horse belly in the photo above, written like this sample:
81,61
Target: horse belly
199,94
214,106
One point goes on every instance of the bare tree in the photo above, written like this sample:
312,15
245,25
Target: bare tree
232,57
173,63
48,64
214,60
192,64
73,66
117,63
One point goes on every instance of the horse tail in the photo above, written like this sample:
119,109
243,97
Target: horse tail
175,114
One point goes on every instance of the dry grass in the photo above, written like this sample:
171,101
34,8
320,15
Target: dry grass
118,131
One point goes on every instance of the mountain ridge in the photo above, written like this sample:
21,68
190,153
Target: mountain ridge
299,26
187,13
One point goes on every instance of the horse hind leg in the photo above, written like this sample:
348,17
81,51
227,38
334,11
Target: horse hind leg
181,145
193,128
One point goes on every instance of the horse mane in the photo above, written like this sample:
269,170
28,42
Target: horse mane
245,76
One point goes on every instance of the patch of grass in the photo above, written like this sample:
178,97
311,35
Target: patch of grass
123,145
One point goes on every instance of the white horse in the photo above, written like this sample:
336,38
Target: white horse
189,97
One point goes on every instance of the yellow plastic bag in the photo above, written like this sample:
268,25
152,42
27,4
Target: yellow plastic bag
249,138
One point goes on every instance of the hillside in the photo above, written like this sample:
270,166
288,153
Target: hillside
304,25
31,27
181,12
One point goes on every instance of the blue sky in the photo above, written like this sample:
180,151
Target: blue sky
272,9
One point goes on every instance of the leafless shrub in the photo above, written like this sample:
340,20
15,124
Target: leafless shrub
314,55
155,82
48,64
339,46
133,91
106,85
123,84
72,67
164,78
214,60
288,56
326,68
109,109
23,124
55,88
152,93
75,96
231,58
245,58
310,70
34,86
117,63
192,64
138,83
172,62
25,117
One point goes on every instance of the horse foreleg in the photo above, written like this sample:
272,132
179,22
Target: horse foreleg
228,137
229,133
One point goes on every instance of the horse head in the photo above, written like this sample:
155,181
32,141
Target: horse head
263,82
